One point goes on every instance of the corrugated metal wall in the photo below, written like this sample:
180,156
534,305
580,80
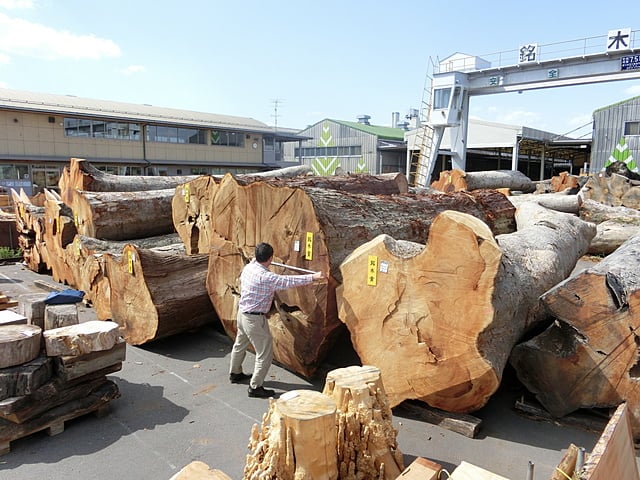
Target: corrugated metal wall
332,134
609,129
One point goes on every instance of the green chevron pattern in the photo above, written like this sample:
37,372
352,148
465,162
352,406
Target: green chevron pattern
325,166
622,154
362,166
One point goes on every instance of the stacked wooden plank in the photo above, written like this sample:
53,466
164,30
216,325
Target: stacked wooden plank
7,302
50,376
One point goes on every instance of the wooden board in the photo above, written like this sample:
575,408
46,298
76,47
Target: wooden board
468,471
461,423
614,454
421,469
26,378
53,420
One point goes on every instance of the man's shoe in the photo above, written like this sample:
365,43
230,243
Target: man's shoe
239,377
261,392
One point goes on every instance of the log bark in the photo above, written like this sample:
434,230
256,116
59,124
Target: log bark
455,308
158,292
589,356
123,215
19,344
304,320
367,445
297,439
192,203
457,180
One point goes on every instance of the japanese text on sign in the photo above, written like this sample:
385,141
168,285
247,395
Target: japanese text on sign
528,53
630,62
372,270
308,248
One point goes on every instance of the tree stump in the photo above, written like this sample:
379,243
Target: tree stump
297,439
367,445
80,339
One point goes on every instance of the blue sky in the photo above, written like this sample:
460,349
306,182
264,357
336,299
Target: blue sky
322,59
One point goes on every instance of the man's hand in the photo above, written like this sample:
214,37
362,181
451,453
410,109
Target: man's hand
318,276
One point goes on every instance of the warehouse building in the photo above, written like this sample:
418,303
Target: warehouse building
611,124
39,133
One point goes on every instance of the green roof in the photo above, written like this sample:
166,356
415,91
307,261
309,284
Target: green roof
381,132
616,104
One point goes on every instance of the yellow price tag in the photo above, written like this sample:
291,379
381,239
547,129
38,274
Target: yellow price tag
130,258
76,221
372,270
187,193
308,248
78,246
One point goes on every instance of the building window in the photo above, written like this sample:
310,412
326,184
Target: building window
632,128
160,133
79,127
354,150
441,97
225,138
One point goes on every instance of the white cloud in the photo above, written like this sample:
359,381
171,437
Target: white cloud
21,37
131,69
519,117
4,58
3,84
633,90
13,4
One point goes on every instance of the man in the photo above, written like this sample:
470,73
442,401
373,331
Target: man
257,288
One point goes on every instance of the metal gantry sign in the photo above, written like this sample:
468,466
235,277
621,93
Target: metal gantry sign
615,56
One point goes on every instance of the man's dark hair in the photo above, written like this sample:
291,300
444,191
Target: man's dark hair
264,252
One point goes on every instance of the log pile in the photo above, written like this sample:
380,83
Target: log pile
51,376
457,180
316,228
614,190
588,357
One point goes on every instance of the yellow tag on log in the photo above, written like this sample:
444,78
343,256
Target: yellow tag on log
130,258
75,220
187,193
308,248
372,270
77,246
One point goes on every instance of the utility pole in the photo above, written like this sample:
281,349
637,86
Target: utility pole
275,115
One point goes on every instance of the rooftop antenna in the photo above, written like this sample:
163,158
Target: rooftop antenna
275,115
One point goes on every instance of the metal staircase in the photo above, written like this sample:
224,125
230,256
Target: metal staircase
420,167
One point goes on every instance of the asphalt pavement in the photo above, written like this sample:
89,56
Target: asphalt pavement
177,405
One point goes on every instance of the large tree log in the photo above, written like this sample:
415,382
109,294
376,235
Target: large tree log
454,309
86,257
30,225
158,292
81,175
560,202
123,215
304,320
589,357
192,203
457,180
59,232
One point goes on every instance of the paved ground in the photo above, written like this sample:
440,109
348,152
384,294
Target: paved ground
177,406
